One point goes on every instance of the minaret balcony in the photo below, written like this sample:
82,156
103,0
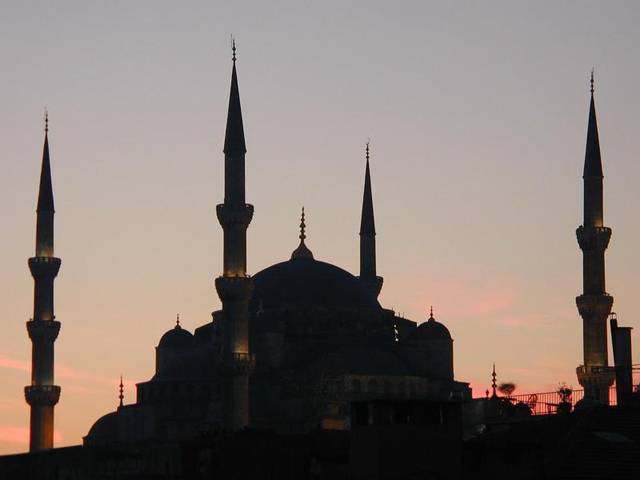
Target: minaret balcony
240,363
42,395
234,289
42,267
594,306
40,330
593,238
599,376
229,214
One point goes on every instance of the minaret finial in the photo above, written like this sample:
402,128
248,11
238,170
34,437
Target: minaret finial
178,320
302,251
591,81
494,385
121,396
302,226
46,120
431,313
233,49
367,150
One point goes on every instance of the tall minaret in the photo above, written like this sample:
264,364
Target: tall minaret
42,395
368,237
595,303
234,286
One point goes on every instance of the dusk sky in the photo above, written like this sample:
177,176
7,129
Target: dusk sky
477,115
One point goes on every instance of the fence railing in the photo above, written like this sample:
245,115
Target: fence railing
547,403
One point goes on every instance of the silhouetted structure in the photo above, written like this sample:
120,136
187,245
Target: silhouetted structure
303,374
42,395
235,286
595,303
293,345
368,237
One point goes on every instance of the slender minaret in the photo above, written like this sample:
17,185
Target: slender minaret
234,286
595,303
42,395
368,237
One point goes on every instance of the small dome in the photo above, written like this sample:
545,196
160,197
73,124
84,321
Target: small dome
177,337
104,429
431,330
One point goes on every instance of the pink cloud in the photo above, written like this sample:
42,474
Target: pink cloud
64,372
20,435
524,320
470,297
14,364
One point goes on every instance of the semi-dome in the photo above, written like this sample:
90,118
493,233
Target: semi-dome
308,282
431,330
177,337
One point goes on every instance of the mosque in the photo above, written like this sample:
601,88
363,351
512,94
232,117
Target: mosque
303,374
292,347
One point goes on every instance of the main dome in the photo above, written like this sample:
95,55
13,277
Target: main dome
307,282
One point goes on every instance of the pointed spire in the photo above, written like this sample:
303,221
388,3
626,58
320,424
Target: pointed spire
592,160
431,319
45,194
234,137
121,396
494,385
302,252
367,223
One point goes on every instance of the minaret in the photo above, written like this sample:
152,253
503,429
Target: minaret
368,237
235,286
595,303
42,395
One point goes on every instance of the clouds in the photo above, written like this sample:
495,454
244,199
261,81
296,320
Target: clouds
64,372
20,435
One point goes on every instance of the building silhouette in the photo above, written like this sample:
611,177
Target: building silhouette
595,303
293,345
304,374
42,395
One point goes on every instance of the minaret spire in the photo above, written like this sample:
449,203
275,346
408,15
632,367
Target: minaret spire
368,236
234,287
234,137
595,303
42,395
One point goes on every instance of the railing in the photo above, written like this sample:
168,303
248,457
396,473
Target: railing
547,403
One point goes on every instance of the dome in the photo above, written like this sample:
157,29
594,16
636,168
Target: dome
308,282
431,330
177,337
105,428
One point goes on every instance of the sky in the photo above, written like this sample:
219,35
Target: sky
477,116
